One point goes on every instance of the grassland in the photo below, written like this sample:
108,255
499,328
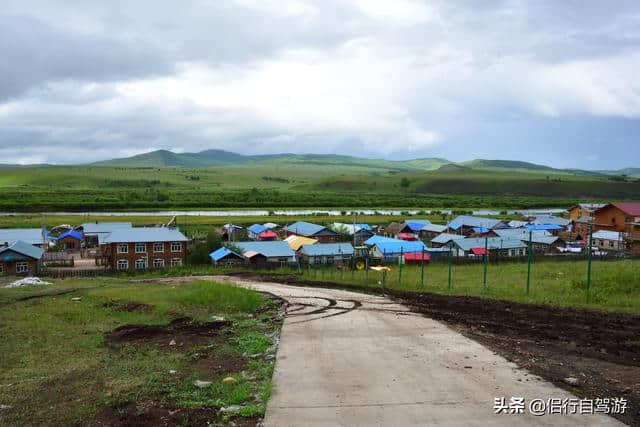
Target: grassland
61,366
297,183
615,285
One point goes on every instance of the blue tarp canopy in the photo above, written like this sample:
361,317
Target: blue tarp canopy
218,254
257,228
71,233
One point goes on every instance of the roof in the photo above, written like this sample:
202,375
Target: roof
104,227
218,254
145,234
588,206
491,242
268,234
632,209
327,249
274,248
416,256
606,235
270,225
446,237
406,236
257,228
517,224
584,218
550,219
478,251
543,227
364,226
400,246
377,239
416,225
339,227
71,233
32,236
23,248
475,221
304,228
437,228
520,233
296,241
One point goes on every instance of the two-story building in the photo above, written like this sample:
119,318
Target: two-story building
143,248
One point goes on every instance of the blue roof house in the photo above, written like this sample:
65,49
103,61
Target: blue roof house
20,258
327,253
225,256
314,231
254,231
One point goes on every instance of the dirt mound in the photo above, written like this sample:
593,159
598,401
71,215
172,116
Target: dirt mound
181,332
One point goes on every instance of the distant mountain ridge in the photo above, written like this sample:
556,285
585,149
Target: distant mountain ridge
217,158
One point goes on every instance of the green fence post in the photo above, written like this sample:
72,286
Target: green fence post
400,270
486,264
529,261
384,273
422,270
366,267
589,256
449,268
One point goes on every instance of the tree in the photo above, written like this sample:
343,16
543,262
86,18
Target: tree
404,182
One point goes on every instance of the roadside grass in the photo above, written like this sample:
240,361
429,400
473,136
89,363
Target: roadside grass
59,369
615,285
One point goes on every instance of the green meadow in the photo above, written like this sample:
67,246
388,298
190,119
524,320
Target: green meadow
60,366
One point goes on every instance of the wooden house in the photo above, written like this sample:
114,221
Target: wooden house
20,258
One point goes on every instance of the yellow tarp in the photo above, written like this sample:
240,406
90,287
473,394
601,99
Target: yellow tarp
381,269
295,242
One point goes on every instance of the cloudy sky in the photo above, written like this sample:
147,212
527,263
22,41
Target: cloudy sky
553,82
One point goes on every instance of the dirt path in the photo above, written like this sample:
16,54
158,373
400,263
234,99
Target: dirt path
347,358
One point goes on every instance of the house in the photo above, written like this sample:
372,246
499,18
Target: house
94,232
373,240
20,257
517,224
465,224
437,253
550,219
296,241
583,209
327,253
231,231
623,217
269,252
143,248
69,240
254,231
554,229
608,240
389,250
358,232
225,256
33,236
443,239
414,225
392,229
507,247
429,231
306,229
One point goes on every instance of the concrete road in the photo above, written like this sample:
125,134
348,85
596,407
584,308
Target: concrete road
348,359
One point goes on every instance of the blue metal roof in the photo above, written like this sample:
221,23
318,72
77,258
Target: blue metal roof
454,225
257,228
32,236
23,248
491,242
327,249
71,233
400,246
218,254
416,225
364,226
543,227
304,228
475,221
273,248
104,227
145,234
377,239
446,237
480,230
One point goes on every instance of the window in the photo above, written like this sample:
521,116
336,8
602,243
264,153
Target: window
176,262
123,264
1,268
176,246
611,243
22,267
158,247
141,263
141,248
158,263
123,248
613,220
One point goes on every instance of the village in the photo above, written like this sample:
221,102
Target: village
611,230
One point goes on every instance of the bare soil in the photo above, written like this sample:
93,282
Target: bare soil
600,349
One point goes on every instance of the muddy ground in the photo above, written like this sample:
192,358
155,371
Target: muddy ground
601,350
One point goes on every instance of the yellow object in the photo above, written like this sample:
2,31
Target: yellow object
295,242
382,269
229,380
360,265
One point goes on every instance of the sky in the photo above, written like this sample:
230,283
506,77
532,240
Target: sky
545,81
